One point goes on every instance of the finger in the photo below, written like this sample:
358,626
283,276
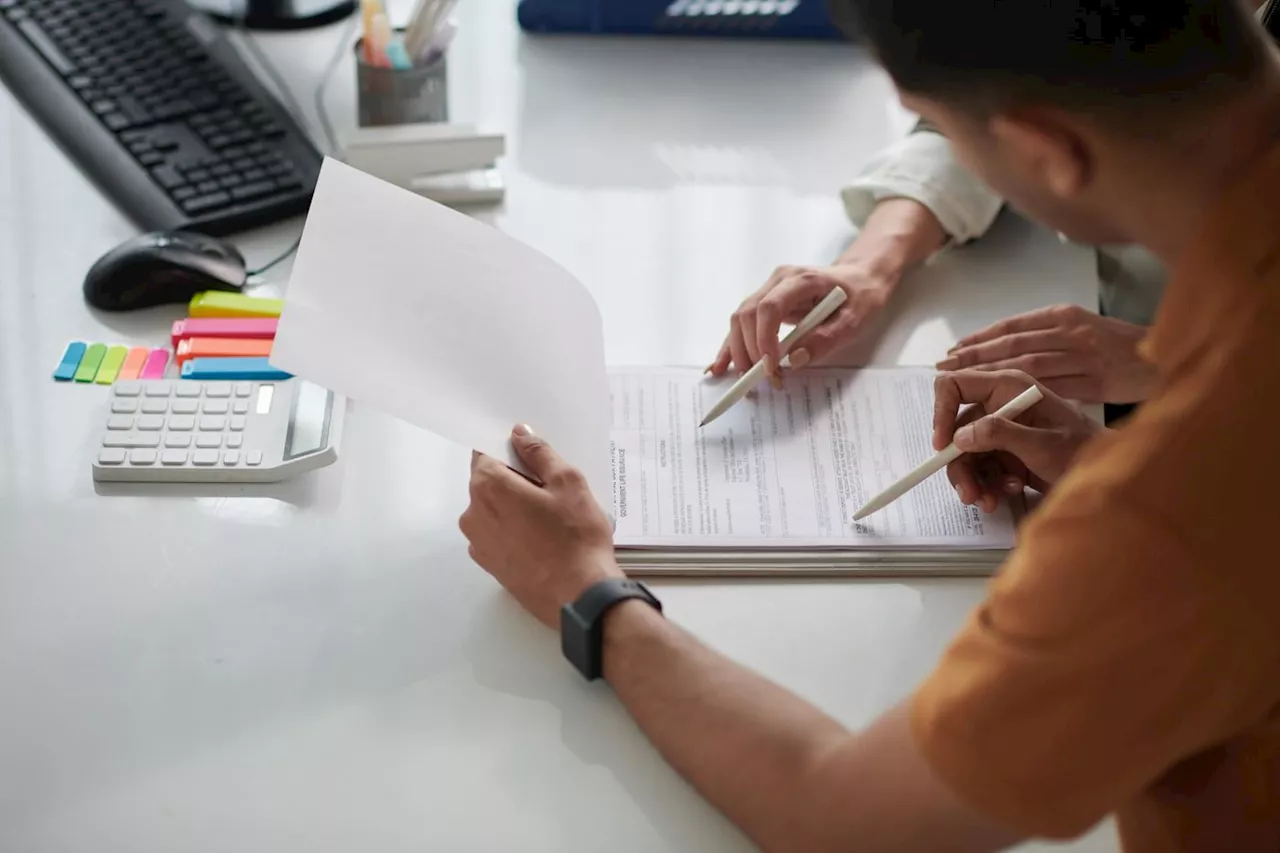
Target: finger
475,458
1042,365
723,360
541,459
1041,318
946,405
836,332
1083,389
1006,347
964,480
797,294
991,433
748,319
737,346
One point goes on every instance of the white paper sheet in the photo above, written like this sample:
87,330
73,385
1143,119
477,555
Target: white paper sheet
447,323
785,469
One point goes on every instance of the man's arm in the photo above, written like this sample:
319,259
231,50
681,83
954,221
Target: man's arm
791,777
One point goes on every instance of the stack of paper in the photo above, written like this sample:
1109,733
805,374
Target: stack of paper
453,326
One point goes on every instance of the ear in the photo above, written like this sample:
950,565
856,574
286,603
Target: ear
1047,147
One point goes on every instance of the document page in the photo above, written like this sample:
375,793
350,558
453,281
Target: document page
783,469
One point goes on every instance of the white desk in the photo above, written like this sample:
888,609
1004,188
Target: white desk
317,666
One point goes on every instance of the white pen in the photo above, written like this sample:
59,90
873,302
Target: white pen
943,458
743,386
440,41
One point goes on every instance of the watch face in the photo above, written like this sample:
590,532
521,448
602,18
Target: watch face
576,642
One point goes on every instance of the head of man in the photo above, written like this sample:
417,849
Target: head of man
1064,106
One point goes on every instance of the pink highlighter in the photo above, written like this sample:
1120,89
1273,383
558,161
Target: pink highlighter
156,362
254,328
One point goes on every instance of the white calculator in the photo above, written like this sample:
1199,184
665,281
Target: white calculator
187,431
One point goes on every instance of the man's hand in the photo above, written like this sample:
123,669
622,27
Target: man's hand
1003,456
545,544
899,234
1073,351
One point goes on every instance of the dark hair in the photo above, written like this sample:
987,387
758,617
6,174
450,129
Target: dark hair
1098,55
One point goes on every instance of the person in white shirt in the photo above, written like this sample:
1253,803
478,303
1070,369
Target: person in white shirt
914,199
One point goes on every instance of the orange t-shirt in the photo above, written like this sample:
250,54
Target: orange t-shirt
1127,658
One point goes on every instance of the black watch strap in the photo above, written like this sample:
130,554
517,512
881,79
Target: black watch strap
582,622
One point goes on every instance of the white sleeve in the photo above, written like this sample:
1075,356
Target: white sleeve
922,166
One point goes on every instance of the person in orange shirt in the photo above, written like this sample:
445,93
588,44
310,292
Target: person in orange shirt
1126,660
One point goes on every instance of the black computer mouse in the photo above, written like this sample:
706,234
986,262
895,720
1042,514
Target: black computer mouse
162,267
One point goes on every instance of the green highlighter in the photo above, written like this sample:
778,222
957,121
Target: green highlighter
111,364
89,365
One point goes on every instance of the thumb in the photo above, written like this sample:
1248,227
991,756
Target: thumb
991,433
538,456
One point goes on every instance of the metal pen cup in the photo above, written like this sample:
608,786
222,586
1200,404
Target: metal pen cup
387,96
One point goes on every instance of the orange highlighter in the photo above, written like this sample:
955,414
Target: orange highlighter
222,348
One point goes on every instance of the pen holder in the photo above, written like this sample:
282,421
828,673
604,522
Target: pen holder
401,96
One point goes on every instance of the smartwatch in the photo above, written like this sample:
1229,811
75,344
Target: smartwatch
582,622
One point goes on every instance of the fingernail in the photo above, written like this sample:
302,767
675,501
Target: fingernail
964,437
776,382
960,494
708,370
1012,485
523,430
799,357
947,364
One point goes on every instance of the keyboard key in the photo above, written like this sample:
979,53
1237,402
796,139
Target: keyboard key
195,176
214,407
152,440
243,389
154,158
213,423
254,457
177,440
237,422
218,389
111,456
235,440
45,45
150,423
120,422
142,457
182,422
209,439
258,188
167,176
205,457
240,407
155,407
173,457
116,121
157,389
127,389
187,389
123,407
208,186
202,203
184,407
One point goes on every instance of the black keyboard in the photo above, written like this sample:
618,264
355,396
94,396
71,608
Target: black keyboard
156,106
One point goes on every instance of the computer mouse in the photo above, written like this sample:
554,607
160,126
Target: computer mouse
162,267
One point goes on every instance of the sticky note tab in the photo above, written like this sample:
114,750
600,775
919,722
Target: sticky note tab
133,363
257,328
89,365
222,348
216,303
154,368
111,364
66,369
232,368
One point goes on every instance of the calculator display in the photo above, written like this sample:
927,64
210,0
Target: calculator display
309,420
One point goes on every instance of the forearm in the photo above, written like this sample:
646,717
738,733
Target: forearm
788,775
900,233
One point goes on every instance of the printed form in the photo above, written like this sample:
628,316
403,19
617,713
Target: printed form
784,469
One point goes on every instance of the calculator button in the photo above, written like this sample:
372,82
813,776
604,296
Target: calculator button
217,389
240,407
111,456
156,389
243,389
187,389
231,457
127,389
213,423
205,457
209,439
182,422
120,422
214,407
150,422
131,441
184,407
173,457
122,407
254,457
235,440
237,422
142,457
155,407
177,440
